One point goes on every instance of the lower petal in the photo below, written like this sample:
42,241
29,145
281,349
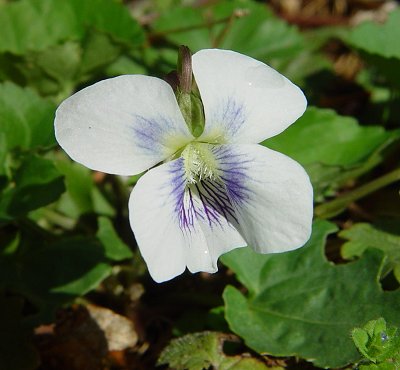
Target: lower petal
178,226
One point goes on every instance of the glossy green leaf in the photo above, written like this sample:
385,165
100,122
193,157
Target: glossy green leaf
26,119
363,235
52,22
200,351
115,248
300,304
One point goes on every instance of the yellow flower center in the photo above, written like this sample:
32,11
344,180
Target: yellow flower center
199,162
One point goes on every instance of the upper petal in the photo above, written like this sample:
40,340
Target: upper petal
177,226
121,125
272,194
244,100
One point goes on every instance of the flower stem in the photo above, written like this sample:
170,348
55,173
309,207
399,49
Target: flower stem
236,14
228,25
338,205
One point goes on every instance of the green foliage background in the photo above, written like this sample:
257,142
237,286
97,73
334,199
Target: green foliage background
64,231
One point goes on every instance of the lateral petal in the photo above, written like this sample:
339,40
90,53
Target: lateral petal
272,195
245,101
122,125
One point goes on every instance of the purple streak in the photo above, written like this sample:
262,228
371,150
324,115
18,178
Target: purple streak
150,133
231,115
213,201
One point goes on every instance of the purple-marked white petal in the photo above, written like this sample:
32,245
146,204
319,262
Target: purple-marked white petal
272,195
178,226
123,125
245,101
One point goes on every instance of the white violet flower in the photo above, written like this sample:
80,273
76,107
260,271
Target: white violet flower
208,194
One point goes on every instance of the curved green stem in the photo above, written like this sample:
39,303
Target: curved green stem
338,205
227,20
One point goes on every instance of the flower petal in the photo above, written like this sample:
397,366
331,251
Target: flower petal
122,125
272,195
244,100
175,227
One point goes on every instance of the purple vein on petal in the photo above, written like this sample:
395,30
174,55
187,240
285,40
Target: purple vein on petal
234,173
213,201
150,133
230,115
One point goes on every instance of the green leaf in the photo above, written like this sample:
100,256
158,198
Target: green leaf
381,366
69,42
16,349
79,184
360,338
332,148
53,22
115,248
377,342
190,29
326,178
300,304
58,69
378,45
37,183
82,195
3,159
126,65
56,273
26,119
262,35
362,236
49,273
53,71
246,27
108,16
9,244
98,51
376,38
200,351
322,136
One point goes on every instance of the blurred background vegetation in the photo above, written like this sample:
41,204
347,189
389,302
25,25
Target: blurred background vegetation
74,291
